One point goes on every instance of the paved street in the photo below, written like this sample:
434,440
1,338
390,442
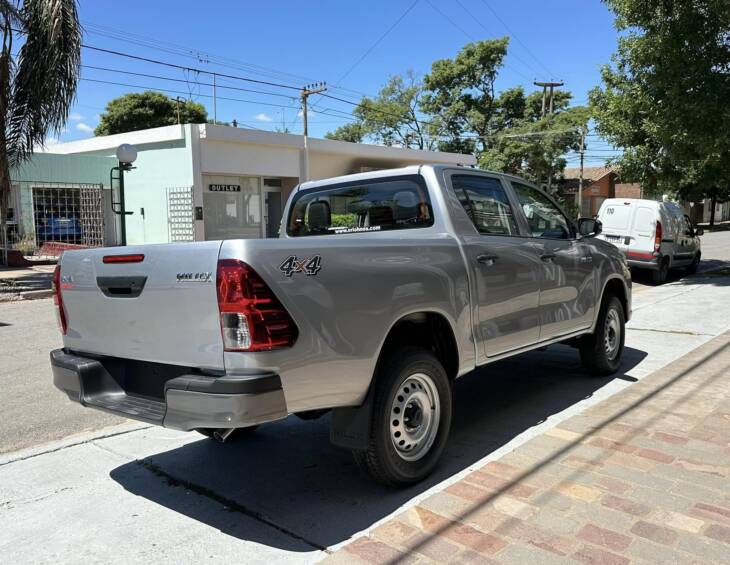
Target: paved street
285,494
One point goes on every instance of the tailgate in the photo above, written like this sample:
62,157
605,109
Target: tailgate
162,309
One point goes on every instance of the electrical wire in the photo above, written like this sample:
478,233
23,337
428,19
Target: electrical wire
377,42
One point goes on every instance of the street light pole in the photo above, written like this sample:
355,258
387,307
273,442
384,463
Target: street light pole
126,155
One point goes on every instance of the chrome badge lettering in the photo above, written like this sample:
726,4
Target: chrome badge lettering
202,277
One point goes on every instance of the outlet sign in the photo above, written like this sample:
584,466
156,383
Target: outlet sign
224,187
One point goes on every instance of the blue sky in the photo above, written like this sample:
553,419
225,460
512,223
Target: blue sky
335,41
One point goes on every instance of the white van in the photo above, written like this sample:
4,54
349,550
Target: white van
653,235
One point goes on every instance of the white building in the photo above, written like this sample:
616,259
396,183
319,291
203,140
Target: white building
202,181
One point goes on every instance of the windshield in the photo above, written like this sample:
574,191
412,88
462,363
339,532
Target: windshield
392,203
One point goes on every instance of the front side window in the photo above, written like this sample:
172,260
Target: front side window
486,203
543,216
394,203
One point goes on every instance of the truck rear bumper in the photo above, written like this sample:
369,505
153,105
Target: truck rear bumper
186,402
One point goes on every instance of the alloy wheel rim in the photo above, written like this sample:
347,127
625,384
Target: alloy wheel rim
612,334
415,413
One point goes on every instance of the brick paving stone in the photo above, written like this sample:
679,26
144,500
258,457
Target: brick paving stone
524,553
641,477
676,520
625,505
653,532
596,556
602,536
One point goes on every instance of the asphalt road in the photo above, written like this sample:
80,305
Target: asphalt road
33,410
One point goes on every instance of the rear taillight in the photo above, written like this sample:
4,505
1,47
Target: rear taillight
58,300
252,318
658,237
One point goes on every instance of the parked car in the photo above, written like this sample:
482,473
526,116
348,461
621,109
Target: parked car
657,236
57,228
382,289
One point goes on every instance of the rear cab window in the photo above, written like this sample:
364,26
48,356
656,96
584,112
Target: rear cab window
389,203
486,203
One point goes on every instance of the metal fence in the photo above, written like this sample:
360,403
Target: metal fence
180,224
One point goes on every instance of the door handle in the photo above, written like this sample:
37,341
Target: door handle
547,257
487,259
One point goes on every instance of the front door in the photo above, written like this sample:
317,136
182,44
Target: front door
504,267
272,211
567,286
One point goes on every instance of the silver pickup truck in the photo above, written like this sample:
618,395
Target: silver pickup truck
381,290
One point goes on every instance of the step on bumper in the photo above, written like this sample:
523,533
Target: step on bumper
190,401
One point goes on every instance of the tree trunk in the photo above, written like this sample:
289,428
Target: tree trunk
713,204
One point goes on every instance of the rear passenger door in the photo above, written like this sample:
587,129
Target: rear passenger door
504,268
567,282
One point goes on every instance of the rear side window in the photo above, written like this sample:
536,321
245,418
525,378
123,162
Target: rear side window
486,203
394,203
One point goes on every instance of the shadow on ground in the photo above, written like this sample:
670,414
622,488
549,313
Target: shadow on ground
34,280
289,475
711,271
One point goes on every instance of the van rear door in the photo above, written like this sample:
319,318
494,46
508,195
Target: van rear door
616,217
643,229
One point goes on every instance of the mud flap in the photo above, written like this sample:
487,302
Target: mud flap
350,427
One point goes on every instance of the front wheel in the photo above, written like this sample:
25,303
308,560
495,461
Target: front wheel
410,420
601,351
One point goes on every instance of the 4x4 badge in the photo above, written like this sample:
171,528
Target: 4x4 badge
308,265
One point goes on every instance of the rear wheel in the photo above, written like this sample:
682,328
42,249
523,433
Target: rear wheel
410,420
660,275
239,433
694,265
601,351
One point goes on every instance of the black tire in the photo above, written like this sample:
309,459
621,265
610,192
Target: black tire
381,460
694,265
660,276
599,352
240,433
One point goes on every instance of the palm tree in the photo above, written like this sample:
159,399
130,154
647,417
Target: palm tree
38,84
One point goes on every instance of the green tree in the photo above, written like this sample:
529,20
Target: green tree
664,98
393,117
460,94
353,132
135,111
38,86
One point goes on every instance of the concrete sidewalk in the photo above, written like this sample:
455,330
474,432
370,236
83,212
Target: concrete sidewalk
643,477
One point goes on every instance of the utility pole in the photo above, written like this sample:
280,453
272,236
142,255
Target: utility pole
307,91
215,103
545,85
177,99
580,177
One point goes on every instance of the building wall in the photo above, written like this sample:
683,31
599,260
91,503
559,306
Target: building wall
595,193
628,190
51,169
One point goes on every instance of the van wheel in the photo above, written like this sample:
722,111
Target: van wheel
660,276
601,351
694,265
410,420
240,433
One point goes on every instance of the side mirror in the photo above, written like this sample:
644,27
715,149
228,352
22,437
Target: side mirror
589,227
699,231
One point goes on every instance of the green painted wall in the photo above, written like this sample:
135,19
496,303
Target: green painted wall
58,169
159,166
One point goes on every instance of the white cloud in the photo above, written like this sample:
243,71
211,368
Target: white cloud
76,117
262,117
81,126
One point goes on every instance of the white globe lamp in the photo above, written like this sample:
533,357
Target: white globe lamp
126,153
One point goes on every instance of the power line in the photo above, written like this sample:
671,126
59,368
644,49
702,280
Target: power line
496,15
377,42
479,22
119,71
173,65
